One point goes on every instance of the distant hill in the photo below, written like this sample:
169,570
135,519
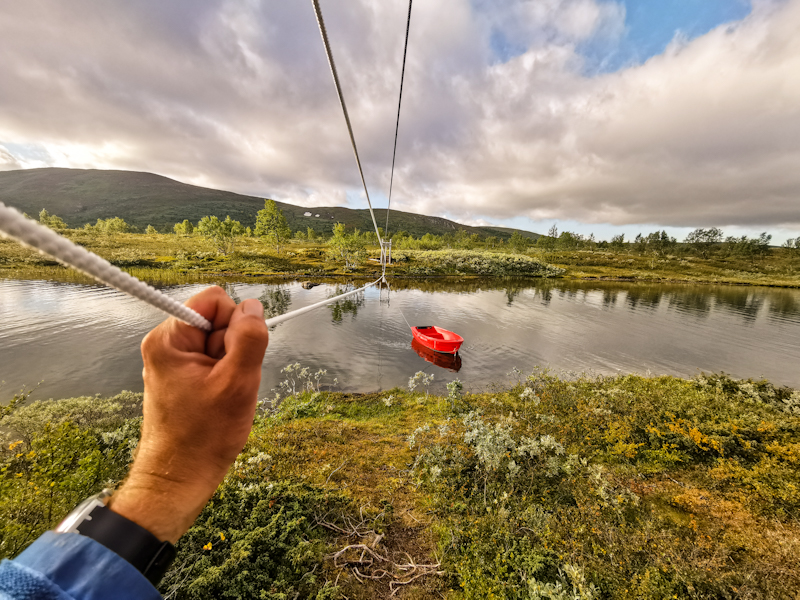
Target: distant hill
82,196
506,232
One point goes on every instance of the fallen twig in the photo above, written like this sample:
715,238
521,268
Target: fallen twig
367,557
334,471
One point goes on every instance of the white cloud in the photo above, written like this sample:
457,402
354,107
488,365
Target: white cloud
8,161
238,96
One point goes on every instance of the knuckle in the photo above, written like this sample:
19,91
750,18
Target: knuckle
217,291
254,330
148,343
153,345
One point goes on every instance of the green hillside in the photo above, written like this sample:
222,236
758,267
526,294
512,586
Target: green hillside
82,196
505,232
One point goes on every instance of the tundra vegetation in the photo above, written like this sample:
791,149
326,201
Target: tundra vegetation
214,248
222,234
271,225
552,487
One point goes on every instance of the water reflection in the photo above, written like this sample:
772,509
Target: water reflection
694,301
275,300
784,304
346,306
743,301
84,339
230,289
644,296
450,362
514,290
609,297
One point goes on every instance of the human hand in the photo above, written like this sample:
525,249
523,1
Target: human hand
200,395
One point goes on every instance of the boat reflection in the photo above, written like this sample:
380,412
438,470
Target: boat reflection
451,362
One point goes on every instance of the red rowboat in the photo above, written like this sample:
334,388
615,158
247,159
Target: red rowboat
451,362
437,339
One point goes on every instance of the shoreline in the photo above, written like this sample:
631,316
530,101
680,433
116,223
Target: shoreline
176,258
67,275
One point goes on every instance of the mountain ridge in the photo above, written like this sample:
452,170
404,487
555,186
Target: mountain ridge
82,196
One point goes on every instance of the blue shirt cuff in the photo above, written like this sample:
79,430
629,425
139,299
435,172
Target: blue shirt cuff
85,569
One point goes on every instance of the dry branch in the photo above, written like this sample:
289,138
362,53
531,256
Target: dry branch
365,557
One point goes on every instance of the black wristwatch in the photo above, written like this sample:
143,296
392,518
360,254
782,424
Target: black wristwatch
132,542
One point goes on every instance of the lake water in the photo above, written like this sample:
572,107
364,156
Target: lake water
84,339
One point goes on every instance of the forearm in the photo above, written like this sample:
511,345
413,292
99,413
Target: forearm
200,400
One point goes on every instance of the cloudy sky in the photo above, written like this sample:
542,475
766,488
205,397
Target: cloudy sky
598,115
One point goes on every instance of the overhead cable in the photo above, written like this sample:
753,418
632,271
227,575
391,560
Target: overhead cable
305,309
397,125
327,45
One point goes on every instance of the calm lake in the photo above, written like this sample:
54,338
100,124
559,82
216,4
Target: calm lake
76,339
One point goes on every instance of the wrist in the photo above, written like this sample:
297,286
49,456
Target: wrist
164,507
129,540
167,486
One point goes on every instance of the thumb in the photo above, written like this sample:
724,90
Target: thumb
247,337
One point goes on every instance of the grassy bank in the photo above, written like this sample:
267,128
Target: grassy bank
167,257
611,487
170,258
781,268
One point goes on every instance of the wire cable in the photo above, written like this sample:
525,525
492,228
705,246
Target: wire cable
398,308
305,309
332,65
46,241
397,125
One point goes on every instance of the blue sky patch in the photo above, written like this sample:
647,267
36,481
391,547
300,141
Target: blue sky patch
28,151
503,49
650,25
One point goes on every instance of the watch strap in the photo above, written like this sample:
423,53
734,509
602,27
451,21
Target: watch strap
132,542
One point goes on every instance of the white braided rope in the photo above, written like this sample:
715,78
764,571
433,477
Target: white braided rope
30,233
310,307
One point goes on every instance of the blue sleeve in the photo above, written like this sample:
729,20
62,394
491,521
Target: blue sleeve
69,566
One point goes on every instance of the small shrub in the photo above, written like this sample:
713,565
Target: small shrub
256,539
479,263
420,378
55,454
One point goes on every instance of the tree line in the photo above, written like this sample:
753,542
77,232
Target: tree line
350,247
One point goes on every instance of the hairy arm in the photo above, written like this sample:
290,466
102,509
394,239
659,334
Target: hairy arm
200,395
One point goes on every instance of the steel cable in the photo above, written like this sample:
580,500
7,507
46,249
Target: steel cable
46,241
332,65
397,125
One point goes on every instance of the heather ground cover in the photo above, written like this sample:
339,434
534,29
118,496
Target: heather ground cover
554,486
